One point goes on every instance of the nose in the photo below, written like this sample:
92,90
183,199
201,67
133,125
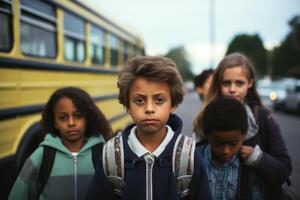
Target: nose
232,88
71,121
150,107
226,150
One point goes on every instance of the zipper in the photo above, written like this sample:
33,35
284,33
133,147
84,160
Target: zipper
149,158
75,177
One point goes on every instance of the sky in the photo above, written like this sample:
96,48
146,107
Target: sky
166,24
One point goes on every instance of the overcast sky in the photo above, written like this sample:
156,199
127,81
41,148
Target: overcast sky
164,24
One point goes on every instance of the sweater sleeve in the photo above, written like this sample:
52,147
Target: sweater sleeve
99,187
25,187
199,186
275,165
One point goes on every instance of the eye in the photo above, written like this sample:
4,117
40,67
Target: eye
139,100
219,144
78,116
233,144
63,118
240,83
160,100
226,83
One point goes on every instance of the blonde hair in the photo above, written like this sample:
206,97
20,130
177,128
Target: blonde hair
230,61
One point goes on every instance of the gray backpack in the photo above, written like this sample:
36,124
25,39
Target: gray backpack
182,163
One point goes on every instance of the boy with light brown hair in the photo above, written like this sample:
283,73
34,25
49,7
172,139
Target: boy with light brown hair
152,159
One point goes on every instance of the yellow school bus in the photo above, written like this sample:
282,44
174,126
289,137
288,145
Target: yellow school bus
48,44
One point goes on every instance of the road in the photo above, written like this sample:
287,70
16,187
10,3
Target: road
289,124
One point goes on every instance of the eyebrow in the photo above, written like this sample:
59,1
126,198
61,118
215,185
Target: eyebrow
75,112
156,94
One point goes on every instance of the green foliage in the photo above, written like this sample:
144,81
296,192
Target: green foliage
179,56
252,46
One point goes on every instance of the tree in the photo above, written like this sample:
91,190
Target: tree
286,57
180,57
295,25
252,46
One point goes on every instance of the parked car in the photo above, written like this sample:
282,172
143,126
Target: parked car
279,92
264,89
292,99
273,93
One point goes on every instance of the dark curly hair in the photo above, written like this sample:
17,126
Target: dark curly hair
96,121
224,114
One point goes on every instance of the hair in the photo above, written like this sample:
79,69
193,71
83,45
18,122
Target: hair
200,79
230,61
153,68
224,114
95,119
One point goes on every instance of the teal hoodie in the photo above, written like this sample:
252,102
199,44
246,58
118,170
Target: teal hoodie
70,176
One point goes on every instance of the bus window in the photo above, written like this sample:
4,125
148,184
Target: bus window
125,51
74,48
136,51
38,28
5,26
97,45
130,51
113,42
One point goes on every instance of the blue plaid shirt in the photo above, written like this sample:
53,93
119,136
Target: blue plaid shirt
223,180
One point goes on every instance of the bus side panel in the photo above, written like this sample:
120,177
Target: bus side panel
9,131
8,87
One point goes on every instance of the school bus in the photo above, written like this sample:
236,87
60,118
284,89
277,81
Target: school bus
48,44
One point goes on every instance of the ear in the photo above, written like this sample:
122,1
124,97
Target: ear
173,109
199,90
128,111
250,83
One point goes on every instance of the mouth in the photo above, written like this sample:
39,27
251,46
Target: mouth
226,159
73,132
149,121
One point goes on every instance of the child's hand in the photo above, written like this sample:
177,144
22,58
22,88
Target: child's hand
245,152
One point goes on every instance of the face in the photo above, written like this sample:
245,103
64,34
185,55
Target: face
203,90
69,121
224,145
235,83
150,105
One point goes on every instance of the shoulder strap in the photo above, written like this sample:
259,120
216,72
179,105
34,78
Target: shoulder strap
183,163
113,163
46,167
261,115
96,153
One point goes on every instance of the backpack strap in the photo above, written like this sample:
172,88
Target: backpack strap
113,163
46,167
261,116
96,154
183,163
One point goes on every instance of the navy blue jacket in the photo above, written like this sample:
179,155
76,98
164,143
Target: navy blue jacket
164,181
274,167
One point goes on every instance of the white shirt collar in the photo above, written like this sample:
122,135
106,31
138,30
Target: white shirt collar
140,150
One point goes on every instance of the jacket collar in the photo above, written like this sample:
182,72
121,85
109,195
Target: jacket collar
165,157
